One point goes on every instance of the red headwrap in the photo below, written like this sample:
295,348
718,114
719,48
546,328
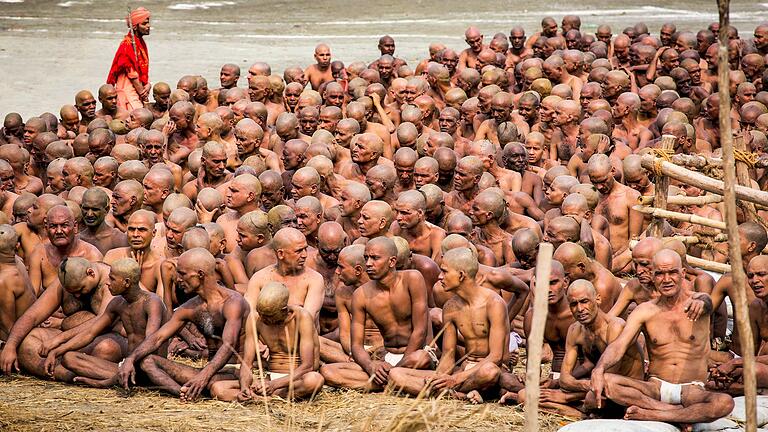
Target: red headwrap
138,16
126,61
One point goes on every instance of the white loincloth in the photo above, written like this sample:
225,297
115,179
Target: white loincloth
673,393
393,359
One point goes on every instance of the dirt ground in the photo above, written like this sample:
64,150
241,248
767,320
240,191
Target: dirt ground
30,404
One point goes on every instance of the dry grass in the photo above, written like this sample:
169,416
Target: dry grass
30,404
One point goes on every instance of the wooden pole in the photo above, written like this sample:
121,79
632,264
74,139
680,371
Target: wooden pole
740,305
661,190
536,337
683,217
696,261
683,200
701,181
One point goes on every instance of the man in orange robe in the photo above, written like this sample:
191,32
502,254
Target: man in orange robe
130,69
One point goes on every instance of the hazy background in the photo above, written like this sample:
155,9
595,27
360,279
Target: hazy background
49,50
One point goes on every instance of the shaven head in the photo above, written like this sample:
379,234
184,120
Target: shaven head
286,237
200,259
8,239
462,259
128,269
585,285
273,299
72,271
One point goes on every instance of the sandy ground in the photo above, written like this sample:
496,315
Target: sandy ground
29,404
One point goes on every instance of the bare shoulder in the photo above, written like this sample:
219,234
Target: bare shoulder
91,252
313,275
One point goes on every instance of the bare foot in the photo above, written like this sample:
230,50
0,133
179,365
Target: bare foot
637,413
509,396
105,383
474,397
183,394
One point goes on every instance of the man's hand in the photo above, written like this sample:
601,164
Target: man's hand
205,216
191,390
694,308
266,390
138,256
169,128
50,363
598,384
9,360
127,373
144,93
380,372
444,382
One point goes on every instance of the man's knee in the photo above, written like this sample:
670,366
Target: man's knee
314,381
219,390
71,360
722,404
108,349
488,373
330,372
148,363
417,360
612,384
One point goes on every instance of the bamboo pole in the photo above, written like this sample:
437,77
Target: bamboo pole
683,217
536,337
741,307
701,263
656,228
703,182
683,200
700,161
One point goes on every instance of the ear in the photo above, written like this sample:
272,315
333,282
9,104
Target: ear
393,262
598,299
314,189
90,272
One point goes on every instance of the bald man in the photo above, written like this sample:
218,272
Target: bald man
563,143
110,110
63,242
559,318
306,181
353,197
320,72
140,312
158,183
213,171
509,181
568,229
375,220
219,315
161,93
579,266
486,212
405,159
307,288
468,57
32,232
19,159
69,122
728,376
180,130
140,230
249,137
366,153
469,169
289,333
616,202
397,302
636,177
153,146
485,336
423,237
95,207
16,293
331,239
678,365
309,216
592,332
127,198
81,291
243,196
